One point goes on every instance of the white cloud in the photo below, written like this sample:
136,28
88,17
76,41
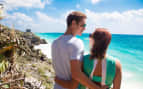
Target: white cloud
10,4
95,1
45,23
19,20
129,22
42,22
77,6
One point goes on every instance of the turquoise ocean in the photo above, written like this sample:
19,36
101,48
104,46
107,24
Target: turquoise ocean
127,48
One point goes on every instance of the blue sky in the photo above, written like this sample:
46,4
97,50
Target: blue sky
119,16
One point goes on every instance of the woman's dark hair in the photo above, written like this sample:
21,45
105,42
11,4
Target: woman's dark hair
101,38
76,15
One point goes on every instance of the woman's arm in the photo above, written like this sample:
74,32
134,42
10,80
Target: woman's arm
70,84
118,76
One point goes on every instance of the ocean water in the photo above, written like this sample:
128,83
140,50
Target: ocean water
127,48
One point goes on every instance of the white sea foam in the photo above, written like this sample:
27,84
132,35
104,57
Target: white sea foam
45,48
131,85
127,75
129,80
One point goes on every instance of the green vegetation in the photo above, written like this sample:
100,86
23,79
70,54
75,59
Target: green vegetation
20,64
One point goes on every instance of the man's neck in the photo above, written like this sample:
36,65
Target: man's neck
69,32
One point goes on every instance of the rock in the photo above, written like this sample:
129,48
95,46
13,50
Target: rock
43,58
32,83
26,54
33,39
43,41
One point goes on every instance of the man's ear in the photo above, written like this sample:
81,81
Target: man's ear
73,23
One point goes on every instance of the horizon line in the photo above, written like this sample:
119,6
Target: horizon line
89,33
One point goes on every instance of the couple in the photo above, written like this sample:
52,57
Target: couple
77,71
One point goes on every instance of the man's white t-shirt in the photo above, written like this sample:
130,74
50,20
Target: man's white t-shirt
65,49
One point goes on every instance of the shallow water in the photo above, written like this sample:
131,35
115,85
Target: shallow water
127,48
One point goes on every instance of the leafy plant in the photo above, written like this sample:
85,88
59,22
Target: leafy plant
3,64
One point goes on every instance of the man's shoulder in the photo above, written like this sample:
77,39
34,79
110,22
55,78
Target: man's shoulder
76,43
55,42
75,40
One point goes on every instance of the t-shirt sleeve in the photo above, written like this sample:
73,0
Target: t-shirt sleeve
76,52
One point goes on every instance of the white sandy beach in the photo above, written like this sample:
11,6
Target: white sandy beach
45,48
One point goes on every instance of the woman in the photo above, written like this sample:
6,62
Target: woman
100,68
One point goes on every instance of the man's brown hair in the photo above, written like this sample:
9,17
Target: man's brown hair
101,38
77,16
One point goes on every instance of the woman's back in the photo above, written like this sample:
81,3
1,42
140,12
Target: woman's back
109,69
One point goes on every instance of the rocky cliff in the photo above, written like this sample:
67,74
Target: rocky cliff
21,63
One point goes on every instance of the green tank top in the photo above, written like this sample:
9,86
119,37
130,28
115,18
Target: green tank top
88,65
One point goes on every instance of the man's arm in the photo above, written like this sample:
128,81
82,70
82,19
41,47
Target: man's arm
118,76
70,84
79,76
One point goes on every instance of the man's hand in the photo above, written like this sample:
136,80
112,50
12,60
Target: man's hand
102,87
70,84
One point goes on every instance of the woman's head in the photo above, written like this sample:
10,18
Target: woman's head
99,40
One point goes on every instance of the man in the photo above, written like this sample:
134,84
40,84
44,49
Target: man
67,52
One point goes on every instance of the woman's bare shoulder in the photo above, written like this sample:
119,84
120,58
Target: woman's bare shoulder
118,65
